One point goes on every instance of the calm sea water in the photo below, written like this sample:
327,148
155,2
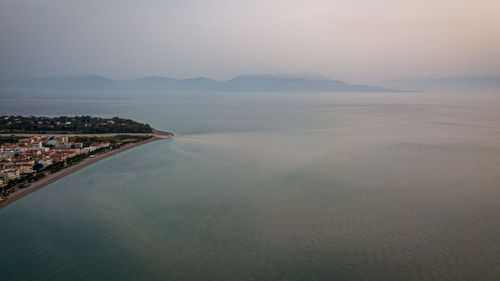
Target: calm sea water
270,186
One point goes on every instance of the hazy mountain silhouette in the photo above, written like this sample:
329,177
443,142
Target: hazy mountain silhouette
279,82
292,83
456,83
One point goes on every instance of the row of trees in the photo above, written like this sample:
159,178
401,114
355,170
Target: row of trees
77,124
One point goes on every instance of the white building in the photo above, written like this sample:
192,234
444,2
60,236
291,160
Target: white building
10,174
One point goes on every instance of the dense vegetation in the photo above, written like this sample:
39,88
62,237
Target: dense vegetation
116,141
65,124
9,139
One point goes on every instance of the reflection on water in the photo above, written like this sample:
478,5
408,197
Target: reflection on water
272,187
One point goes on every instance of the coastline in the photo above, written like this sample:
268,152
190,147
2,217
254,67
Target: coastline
20,193
155,133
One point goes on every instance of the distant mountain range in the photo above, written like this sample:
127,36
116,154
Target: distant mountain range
276,82
280,82
468,83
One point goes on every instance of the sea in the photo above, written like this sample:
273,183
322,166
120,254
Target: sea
269,186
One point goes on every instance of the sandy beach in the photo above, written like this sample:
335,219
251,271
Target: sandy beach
50,178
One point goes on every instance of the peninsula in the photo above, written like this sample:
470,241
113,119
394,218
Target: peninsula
36,151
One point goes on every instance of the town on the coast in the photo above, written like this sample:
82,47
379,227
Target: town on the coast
42,148
30,158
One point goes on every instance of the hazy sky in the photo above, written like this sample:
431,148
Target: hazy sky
354,40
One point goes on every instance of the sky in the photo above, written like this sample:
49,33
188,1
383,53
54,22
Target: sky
352,40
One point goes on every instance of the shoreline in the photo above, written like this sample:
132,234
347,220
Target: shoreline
155,133
20,193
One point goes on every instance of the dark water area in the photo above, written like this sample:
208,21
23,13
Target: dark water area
270,186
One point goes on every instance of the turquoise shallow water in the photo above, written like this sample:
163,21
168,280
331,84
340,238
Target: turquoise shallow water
270,187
